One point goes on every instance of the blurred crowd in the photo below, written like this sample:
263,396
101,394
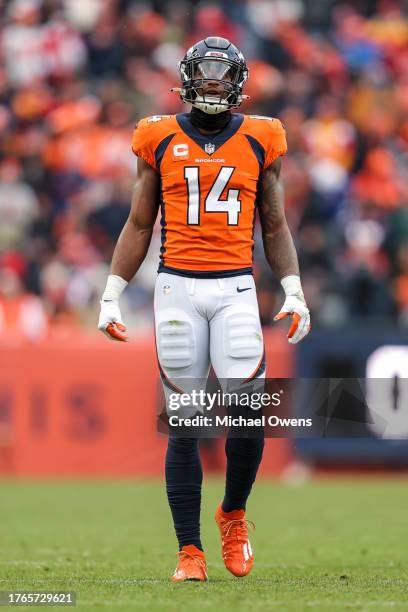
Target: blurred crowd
75,76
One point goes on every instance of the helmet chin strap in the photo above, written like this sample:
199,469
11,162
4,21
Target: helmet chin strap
206,121
209,105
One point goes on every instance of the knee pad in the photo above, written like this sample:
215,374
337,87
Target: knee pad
243,335
175,342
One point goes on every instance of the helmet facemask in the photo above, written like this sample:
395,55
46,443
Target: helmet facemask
230,77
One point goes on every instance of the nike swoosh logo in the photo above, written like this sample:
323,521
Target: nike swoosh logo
107,301
244,289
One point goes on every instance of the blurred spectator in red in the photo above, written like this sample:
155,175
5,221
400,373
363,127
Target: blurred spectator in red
379,182
22,314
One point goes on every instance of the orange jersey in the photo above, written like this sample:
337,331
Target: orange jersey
209,188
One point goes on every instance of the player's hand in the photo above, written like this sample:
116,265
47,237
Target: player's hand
110,321
296,308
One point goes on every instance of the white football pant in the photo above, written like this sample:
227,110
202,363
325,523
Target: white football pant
201,321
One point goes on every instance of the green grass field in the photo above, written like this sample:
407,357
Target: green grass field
331,545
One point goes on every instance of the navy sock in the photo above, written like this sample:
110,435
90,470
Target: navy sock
183,485
243,458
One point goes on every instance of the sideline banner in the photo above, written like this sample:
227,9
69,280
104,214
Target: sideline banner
88,407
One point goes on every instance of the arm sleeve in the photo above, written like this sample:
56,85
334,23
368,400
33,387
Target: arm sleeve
143,143
276,144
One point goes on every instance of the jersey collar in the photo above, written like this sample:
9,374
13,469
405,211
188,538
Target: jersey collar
204,139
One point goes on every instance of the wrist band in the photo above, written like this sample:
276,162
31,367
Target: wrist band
291,285
115,286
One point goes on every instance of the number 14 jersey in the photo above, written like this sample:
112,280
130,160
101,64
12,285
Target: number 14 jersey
208,188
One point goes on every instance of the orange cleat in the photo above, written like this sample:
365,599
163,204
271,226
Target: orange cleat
236,547
191,565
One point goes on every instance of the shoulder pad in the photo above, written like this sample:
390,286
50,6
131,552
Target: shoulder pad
149,133
270,134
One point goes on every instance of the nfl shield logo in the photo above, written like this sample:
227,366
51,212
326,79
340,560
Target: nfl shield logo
209,148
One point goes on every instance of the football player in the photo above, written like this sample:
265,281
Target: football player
208,171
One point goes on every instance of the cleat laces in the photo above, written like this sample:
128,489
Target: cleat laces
192,559
236,530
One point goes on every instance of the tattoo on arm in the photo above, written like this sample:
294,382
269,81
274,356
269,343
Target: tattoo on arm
278,244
